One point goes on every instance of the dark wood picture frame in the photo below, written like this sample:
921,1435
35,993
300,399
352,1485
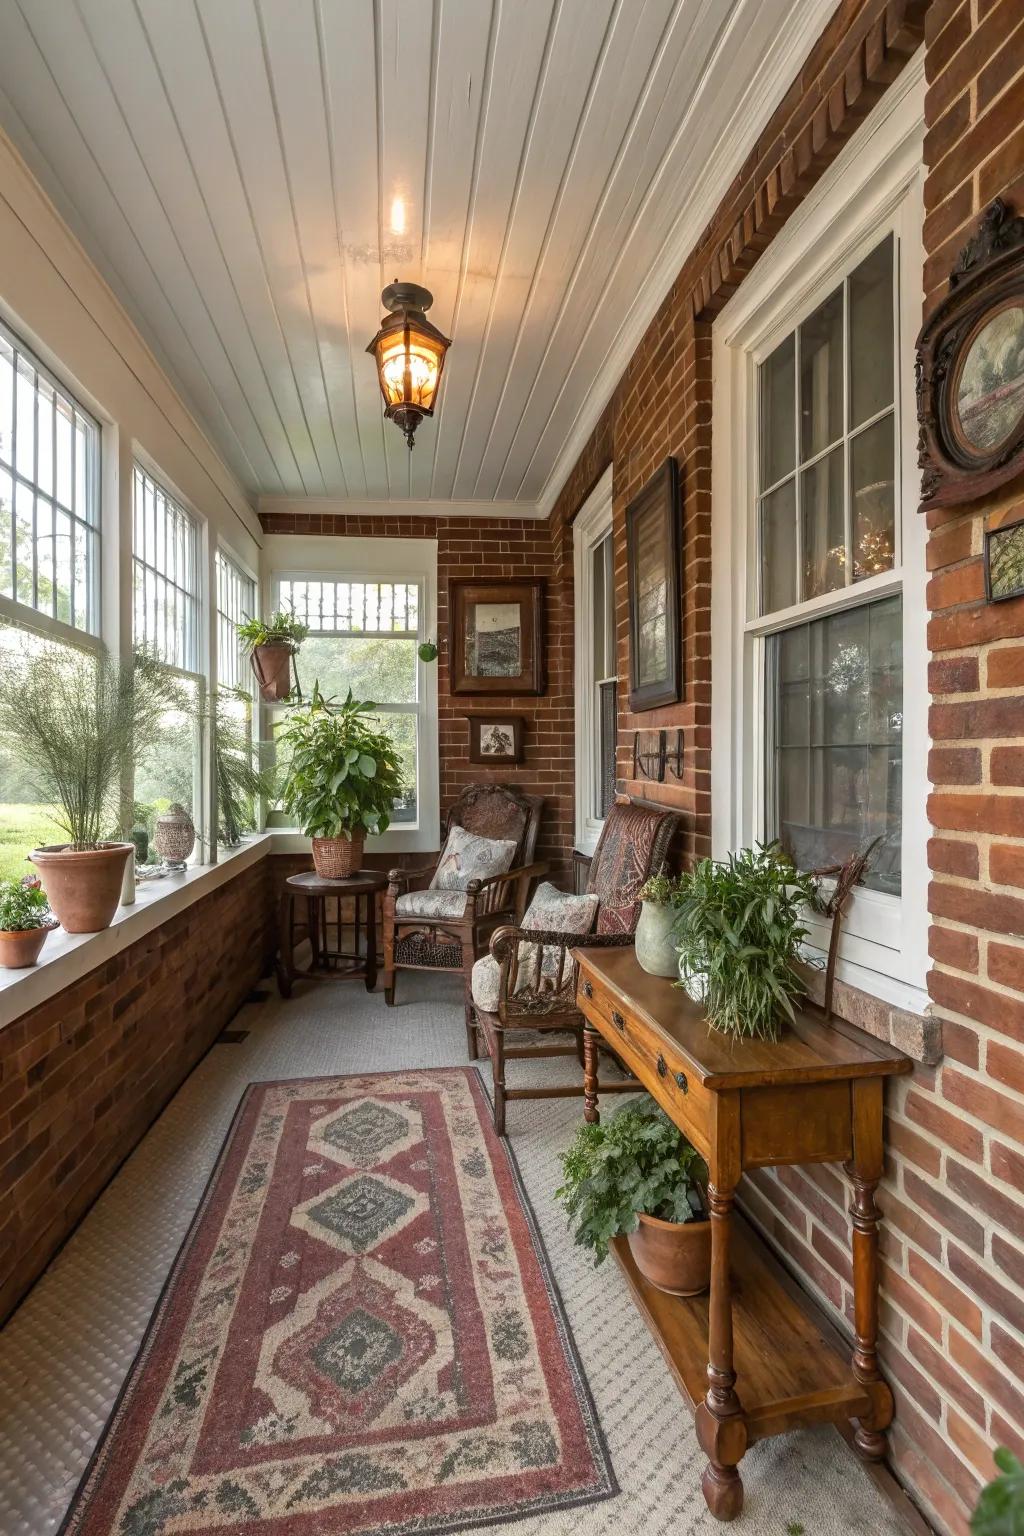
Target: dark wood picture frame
478,744
986,282
1000,588
655,513
464,595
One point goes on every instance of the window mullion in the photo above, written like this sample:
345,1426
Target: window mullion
847,412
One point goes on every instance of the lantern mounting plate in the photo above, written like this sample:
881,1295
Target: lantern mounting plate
406,296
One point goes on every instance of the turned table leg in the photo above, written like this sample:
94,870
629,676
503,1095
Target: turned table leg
591,1038
285,944
721,1429
865,1170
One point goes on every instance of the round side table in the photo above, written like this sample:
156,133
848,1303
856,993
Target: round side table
324,927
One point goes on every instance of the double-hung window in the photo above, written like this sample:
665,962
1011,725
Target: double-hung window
236,602
819,731
596,665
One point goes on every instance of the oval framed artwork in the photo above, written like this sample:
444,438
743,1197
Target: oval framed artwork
970,394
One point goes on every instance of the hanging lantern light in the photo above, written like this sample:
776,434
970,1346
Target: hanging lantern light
409,352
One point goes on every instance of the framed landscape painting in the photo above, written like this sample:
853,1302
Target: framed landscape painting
652,561
497,635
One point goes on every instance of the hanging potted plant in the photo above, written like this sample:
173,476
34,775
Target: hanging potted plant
341,779
740,924
25,920
655,929
636,1176
77,724
271,649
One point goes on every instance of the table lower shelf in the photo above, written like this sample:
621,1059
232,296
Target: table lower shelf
788,1372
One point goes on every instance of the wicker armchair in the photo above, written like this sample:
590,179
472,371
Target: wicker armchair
535,988
436,934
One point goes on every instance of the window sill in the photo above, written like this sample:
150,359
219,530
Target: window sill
67,957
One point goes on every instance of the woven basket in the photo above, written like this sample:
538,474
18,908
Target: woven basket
335,858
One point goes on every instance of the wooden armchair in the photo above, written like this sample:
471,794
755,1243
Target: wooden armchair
530,985
426,929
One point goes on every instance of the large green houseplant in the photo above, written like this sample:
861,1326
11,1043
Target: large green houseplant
1000,1510
739,927
78,723
341,779
636,1176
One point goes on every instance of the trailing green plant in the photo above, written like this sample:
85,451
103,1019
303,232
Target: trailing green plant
663,890
1000,1510
740,925
635,1161
78,723
23,906
343,772
241,781
280,629
427,651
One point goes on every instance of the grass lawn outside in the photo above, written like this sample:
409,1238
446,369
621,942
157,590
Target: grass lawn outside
22,828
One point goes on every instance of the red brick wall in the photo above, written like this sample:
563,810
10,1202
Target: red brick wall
82,1077
491,548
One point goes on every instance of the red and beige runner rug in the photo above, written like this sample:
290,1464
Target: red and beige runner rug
360,1334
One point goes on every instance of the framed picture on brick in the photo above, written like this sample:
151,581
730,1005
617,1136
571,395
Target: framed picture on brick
496,738
496,635
652,564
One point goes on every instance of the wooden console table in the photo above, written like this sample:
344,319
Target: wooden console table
746,1356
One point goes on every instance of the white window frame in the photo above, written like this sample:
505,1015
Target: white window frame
313,557
591,526
225,621
874,187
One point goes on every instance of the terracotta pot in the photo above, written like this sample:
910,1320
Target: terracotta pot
83,886
272,668
20,947
335,858
673,1255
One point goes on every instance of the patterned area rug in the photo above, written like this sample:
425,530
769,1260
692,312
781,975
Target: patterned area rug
361,1333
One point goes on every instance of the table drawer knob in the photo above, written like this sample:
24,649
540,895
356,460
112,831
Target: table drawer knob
662,1067
681,1082
587,989
617,1019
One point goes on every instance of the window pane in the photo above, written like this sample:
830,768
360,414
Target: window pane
378,669
352,607
236,601
821,377
823,526
835,739
872,477
871,335
165,576
607,719
170,773
778,400
778,548
402,729
599,605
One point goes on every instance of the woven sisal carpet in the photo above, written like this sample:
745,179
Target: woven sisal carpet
360,1334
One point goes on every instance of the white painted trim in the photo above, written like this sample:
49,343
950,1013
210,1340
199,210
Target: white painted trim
591,525
875,185
780,66
339,506
326,557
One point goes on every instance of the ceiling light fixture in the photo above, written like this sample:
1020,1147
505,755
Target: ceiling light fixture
410,353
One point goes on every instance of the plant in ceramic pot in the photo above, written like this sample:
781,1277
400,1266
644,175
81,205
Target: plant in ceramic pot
271,646
25,920
655,929
77,723
341,779
739,929
636,1176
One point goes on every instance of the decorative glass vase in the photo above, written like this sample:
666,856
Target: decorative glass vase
655,943
175,836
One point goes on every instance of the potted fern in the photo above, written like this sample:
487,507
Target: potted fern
78,724
342,776
271,647
25,921
740,924
636,1176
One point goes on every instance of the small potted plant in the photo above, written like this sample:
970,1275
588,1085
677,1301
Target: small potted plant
636,1176
341,779
78,723
1000,1510
740,924
271,647
25,920
655,929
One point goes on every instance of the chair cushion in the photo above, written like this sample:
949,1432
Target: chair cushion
552,909
448,904
466,857
485,983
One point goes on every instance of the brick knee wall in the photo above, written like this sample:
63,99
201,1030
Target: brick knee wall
83,1076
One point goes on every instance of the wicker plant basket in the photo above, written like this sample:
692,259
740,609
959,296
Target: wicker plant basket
335,858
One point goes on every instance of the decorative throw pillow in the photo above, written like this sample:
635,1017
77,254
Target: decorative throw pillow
467,857
558,912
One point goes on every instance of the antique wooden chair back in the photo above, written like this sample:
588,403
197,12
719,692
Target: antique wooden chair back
498,811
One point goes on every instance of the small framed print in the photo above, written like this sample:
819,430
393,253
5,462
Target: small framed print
496,636
495,738
652,563
1004,562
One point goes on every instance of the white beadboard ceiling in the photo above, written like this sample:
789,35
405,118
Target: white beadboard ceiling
232,167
